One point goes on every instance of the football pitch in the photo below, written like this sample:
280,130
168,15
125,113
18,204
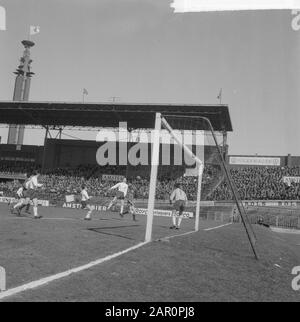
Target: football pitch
64,258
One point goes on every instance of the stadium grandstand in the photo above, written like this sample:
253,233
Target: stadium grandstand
64,163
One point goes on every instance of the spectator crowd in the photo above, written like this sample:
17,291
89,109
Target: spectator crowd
252,183
260,183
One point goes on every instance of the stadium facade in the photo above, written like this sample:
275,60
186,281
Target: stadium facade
72,153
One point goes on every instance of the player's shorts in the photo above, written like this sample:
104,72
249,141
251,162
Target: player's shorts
120,195
179,205
83,204
30,193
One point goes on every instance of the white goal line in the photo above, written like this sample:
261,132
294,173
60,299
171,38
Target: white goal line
52,278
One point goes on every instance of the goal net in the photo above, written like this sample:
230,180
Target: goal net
196,156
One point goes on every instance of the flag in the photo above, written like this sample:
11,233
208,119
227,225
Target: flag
85,92
219,97
34,30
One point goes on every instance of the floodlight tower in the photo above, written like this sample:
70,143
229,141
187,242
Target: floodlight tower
21,91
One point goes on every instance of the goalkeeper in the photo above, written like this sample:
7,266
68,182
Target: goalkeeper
180,198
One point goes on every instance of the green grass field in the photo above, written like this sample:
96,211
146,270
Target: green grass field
215,265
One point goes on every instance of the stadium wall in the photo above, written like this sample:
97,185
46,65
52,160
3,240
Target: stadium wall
64,153
21,153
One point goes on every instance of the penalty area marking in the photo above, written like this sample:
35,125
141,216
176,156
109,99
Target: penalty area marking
49,279
178,235
208,229
66,218
45,218
53,218
191,232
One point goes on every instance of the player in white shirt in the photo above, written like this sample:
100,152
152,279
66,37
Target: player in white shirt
130,205
19,203
180,200
21,200
121,194
20,192
30,193
84,202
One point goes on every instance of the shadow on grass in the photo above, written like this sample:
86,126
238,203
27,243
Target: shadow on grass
100,231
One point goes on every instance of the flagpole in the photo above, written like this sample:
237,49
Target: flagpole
220,96
84,92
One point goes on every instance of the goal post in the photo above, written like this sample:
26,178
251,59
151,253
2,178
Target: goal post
153,176
159,122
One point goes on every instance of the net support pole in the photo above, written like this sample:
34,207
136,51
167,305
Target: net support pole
153,177
198,162
245,220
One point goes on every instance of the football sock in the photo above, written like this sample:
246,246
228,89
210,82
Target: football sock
88,215
174,220
179,221
35,211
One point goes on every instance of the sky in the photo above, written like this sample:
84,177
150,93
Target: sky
140,51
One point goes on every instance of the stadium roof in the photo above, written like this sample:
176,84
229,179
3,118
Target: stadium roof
107,114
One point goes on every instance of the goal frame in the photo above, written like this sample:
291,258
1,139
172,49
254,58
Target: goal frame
159,121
